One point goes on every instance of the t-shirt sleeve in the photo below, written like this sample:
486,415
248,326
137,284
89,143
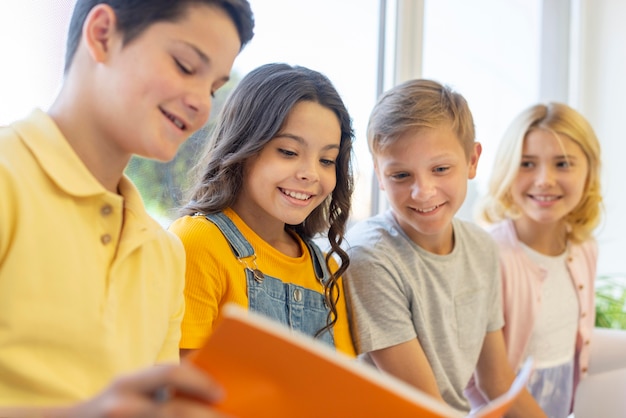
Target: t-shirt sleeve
378,308
203,284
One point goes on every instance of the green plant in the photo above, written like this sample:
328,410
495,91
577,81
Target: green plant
611,301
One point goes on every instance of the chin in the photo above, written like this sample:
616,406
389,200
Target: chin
164,156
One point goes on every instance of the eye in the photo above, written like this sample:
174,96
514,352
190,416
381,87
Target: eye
399,176
527,164
287,152
563,164
441,170
326,162
183,68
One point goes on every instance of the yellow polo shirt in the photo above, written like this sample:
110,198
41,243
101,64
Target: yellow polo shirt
90,285
215,277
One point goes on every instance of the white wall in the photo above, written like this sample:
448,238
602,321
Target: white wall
602,98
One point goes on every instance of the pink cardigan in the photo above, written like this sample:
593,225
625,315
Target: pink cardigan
521,297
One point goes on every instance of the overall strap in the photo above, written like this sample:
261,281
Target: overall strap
319,262
240,246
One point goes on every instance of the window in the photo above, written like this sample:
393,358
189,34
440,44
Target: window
492,59
337,38
32,43
491,51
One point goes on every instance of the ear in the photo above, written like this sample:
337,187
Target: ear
381,186
100,31
473,160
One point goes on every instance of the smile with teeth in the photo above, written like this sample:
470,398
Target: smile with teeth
179,124
544,198
296,195
428,210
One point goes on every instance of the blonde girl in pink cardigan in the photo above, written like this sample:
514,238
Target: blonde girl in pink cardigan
543,204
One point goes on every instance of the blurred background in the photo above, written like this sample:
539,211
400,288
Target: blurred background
502,55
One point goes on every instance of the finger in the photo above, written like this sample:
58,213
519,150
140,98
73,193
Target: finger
184,407
183,379
193,382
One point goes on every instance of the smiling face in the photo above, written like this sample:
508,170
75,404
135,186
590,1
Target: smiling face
157,89
550,182
294,173
425,175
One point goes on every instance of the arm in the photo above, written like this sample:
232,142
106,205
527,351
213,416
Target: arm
205,278
408,362
381,317
494,377
169,351
142,394
184,352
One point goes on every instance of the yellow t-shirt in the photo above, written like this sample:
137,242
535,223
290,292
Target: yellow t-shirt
90,285
215,277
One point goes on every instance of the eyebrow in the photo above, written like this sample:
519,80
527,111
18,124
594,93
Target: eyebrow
557,157
302,141
204,58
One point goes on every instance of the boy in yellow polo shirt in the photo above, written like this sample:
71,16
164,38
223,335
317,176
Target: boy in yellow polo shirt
90,286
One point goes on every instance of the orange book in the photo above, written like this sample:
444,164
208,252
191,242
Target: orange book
268,370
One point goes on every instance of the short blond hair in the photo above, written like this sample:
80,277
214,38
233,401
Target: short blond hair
415,105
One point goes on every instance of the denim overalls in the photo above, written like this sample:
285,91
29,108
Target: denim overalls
297,307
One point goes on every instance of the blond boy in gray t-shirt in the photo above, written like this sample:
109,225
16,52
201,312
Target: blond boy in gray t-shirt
423,287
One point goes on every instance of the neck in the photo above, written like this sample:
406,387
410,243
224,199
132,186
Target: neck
545,239
270,229
87,139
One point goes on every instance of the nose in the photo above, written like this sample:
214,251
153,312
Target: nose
307,171
198,105
422,189
545,177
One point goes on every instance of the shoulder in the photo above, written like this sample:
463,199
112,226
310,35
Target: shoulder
197,231
14,155
9,141
171,241
475,251
375,233
506,241
503,232
378,248
207,251
588,247
472,235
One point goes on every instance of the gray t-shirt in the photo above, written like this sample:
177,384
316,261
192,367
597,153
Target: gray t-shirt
397,291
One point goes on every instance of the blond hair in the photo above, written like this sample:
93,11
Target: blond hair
415,105
559,119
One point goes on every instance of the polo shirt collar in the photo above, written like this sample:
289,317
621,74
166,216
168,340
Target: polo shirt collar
59,161
55,155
